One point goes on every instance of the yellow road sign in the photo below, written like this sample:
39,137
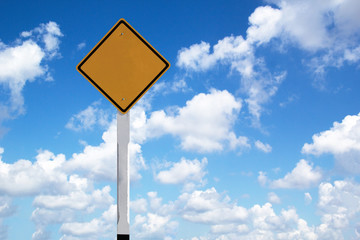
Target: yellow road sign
123,66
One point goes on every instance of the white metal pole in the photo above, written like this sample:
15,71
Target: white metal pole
123,139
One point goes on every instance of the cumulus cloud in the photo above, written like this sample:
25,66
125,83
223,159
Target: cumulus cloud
102,227
3,230
265,147
187,172
6,209
24,178
157,222
139,205
342,140
264,24
230,221
330,26
301,177
227,219
64,212
62,188
333,22
211,208
338,203
197,127
97,162
308,198
197,130
257,82
273,198
337,206
24,61
81,45
88,118
328,30
76,200
262,178
59,194
194,124
153,226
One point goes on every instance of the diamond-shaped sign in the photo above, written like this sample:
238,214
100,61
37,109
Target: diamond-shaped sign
123,66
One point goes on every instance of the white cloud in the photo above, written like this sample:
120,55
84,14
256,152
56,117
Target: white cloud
352,55
232,222
302,176
43,217
139,205
60,190
196,131
24,178
17,67
24,62
102,227
52,171
41,234
264,24
179,86
96,228
6,207
184,172
329,29
153,226
58,194
76,200
97,162
209,207
257,82
81,45
155,222
265,147
342,140
341,197
262,178
308,198
196,57
137,161
88,118
196,124
3,230
138,136
51,38
313,25
273,198
339,206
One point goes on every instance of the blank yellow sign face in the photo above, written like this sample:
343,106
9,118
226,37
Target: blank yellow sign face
123,66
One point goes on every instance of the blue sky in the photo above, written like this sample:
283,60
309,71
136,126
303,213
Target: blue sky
253,133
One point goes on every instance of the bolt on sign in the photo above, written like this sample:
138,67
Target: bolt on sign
123,66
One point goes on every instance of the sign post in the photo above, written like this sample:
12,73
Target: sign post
123,66
123,139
